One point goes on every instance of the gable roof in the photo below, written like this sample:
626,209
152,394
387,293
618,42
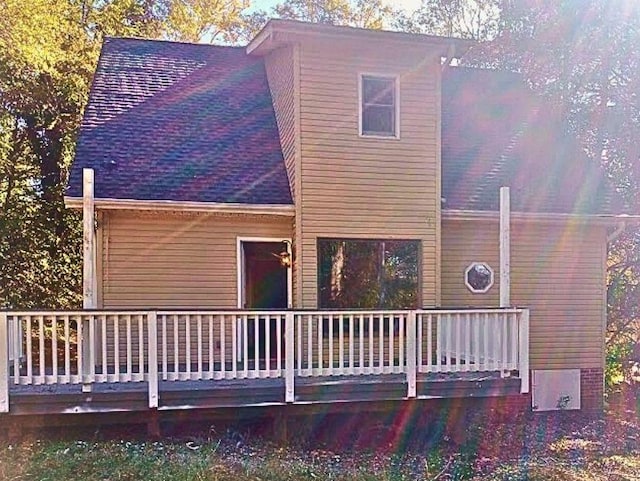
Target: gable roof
497,132
195,123
182,122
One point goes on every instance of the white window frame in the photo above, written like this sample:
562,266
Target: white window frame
466,277
396,79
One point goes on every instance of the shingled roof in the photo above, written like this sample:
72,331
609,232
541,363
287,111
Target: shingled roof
188,122
496,132
183,122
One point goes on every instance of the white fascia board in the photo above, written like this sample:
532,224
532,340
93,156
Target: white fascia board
287,210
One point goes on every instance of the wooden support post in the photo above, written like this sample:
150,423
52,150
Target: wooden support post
505,247
289,341
152,329
89,281
154,430
4,364
523,348
413,345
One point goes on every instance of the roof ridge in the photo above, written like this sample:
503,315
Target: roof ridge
175,42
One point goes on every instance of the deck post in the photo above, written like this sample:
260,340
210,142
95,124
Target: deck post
412,351
152,334
4,364
523,349
505,247
289,340
89,281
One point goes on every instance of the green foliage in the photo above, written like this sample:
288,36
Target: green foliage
48,53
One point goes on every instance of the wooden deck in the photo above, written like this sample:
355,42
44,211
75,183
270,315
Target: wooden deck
62,362
240,393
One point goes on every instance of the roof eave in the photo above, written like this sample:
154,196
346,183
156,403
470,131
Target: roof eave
462,214
277,30
286,210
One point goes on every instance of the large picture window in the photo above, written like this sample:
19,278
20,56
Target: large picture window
368,274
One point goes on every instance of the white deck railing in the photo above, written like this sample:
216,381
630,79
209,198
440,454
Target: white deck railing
86,347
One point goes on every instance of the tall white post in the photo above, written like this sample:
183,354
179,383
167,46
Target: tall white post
89,281
505,247
4,364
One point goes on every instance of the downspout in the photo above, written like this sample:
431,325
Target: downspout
505,247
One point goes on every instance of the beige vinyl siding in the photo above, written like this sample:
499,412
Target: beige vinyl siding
280,74
170,260
557,271
358,187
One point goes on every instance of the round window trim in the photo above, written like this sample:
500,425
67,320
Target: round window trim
473,266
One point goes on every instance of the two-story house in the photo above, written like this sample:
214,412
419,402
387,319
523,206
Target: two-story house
347,181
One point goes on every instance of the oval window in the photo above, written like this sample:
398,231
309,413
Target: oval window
478,277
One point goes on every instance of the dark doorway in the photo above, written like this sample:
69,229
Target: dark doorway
265,287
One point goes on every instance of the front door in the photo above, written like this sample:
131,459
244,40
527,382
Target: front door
265,283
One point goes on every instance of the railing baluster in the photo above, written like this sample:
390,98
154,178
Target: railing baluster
429,343
440,340
371,346
200,341
267,348
256,345
458,349
380,343
298,328
467,338
103,348
17,347
79,349
41,347
330,339
187,346
340,344
141,347
165,356
223,349
401,344
361,365
234,347
279,344
420,341
129,349
67,350
320,346
176,347
6,344
505,341
212,362
351,346
54,349
245,345
392,356
310,345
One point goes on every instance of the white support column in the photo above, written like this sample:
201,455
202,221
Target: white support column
4,364
89,281
152,335
289,339
505,247
413,345
523,348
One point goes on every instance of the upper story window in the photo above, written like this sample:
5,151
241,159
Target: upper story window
378,106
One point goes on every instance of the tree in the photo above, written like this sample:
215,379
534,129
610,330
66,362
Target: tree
473,19
584,57
48,53
373,14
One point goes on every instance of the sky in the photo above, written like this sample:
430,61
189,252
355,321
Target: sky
408,5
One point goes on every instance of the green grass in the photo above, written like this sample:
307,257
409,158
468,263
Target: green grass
226,461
